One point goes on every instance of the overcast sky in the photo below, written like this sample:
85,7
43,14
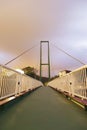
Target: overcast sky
24,23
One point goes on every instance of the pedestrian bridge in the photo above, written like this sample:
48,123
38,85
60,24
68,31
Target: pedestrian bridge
25,103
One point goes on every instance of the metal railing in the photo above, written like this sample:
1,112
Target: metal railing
73,83
14,83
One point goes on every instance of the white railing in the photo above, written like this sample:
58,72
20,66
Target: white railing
14,83
73,83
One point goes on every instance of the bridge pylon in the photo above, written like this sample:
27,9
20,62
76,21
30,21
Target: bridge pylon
42,43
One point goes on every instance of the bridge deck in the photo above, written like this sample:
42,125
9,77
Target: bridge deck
44,109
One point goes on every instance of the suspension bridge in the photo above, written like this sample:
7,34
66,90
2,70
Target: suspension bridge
25,103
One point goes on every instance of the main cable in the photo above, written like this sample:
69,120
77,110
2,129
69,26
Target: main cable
76,59
21,54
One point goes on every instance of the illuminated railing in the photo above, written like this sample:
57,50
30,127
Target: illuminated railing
73,83
15,83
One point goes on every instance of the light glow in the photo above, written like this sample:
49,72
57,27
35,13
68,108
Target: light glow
20,71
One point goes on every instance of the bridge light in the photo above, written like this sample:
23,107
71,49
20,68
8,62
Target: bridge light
20,71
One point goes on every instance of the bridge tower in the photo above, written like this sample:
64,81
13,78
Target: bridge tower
42,63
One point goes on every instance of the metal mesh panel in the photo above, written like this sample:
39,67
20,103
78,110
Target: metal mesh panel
78,79
13,83
74,83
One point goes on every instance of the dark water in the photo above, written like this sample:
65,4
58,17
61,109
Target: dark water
44,109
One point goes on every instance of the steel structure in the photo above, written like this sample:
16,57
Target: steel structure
73,84
13,83
41,58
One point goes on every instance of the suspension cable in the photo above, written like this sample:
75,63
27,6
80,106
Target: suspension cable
21,54
76,59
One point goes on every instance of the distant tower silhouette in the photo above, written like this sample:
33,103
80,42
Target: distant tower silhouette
41,58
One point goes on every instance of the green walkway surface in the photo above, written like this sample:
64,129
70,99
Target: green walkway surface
44,109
